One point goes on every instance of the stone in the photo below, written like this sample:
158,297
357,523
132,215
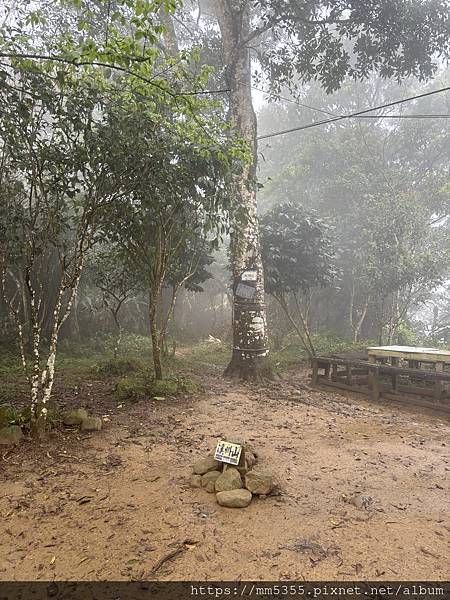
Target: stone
242,470
360,501
210,487
204,465
10,435
209,480
229,480
75,417
259,482
195,481
234,498
250,460
91,424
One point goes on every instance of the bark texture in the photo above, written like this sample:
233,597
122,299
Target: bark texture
250,343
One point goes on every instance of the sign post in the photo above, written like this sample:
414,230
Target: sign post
228,452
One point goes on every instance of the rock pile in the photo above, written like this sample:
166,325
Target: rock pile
79,416
234,486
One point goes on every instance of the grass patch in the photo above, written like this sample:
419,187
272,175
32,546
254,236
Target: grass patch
292,353
9,363
10,416
212,353
164,387
118,367
141,386
132,388
13,392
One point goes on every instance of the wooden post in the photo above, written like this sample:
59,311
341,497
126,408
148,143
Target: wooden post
394,379
315,370
327,371
413,364
372,361
374,376
334,370
349,375
439,385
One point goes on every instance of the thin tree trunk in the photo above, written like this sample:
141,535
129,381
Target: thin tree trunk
350,310
250,343
115,314
360,321
156,348
305,325
309,349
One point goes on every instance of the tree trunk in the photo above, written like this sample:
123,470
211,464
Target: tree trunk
360,322
250,343
156,348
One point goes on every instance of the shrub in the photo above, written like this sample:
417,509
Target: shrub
187,385
132,388
14,416
138,387
164,387
119,366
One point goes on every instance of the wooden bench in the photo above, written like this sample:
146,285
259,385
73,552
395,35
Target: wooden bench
350,379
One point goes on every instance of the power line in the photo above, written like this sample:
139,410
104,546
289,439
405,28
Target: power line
297,102
411,116
326,112
360,114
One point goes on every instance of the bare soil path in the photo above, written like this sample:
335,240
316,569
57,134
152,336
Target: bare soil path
113,504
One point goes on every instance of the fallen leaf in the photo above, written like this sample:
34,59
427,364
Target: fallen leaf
190,546
52,562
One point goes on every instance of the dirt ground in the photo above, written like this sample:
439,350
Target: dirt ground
112,504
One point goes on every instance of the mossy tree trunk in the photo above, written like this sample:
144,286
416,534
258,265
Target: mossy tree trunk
250,342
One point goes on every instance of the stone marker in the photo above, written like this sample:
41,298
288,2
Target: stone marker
234,498
259,482
75,417
204,465
209,480
195,481
229,480
91,424
10,435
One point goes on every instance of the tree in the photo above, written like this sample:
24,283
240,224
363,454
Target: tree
362,173
117,281
179,205
53,191
294,43
407,258
63,96
298,256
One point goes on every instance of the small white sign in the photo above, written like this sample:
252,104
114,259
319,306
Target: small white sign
249,276
245,291
228,452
